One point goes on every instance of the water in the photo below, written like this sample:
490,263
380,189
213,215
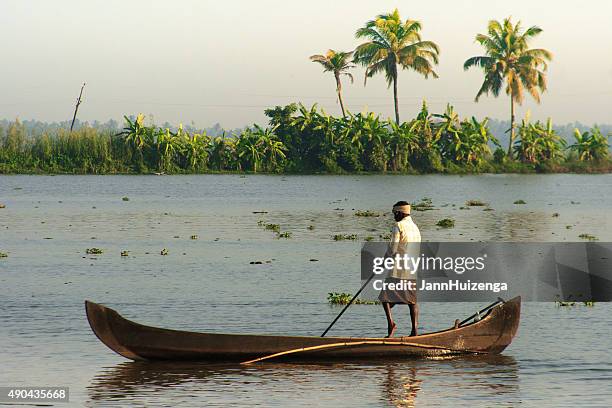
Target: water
560,356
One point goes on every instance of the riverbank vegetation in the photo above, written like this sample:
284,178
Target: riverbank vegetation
298,139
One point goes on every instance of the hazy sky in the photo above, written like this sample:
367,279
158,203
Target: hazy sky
225,61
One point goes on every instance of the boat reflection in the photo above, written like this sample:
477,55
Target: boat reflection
493,378
399,383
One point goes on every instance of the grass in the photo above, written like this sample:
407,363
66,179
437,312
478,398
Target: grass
285,234
518,202
125,198
194,237
342,298
164,252
93,251
3,255
446,223
588,237
125,253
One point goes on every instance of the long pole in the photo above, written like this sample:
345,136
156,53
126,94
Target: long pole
76,108
347,305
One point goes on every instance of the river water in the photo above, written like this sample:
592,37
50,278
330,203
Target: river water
560,357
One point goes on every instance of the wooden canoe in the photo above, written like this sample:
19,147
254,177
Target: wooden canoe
490,335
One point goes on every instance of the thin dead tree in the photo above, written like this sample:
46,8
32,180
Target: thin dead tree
76,108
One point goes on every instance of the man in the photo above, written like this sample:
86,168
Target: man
405,239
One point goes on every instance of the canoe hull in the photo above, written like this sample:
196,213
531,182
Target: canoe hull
491,335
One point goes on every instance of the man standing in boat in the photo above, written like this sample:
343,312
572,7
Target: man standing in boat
405,239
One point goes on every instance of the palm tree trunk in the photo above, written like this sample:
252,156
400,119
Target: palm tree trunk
339,91
511,125
397,119
396,158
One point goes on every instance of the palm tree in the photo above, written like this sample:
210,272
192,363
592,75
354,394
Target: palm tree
508,57
337,62
392,43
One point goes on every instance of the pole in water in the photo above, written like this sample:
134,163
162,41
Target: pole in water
76,108
347,305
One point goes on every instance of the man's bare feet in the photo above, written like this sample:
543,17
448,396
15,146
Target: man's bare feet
391,330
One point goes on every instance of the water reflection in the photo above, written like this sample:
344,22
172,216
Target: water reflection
400,389
398,383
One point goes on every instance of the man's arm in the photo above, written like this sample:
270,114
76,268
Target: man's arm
394,242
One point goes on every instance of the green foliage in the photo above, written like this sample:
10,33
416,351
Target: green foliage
590,145
424,205
475,203
343,237
446,223
538,143
463,142
342,298
304,140
272,227
93,251
366,213
499,155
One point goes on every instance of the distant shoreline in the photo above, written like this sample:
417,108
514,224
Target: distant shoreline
301,140
602,168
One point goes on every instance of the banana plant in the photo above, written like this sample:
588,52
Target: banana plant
136,133
590,145
195,149
248,149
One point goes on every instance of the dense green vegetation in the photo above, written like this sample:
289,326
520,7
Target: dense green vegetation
305,140
298,139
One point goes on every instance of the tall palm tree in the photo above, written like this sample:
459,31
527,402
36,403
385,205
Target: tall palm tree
392,43
338,63
508,57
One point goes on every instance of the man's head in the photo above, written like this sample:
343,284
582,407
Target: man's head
401,210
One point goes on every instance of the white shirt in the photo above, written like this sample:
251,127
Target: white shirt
403,233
